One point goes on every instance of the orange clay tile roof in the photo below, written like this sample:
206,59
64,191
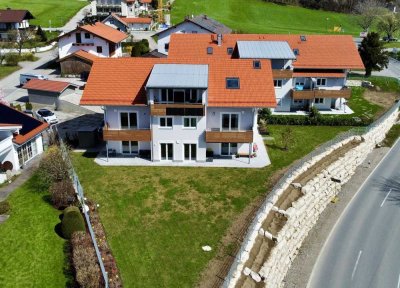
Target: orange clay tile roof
139,20
80,54
145,1
47,85
101,30
319,74
122,81
318,51
30,126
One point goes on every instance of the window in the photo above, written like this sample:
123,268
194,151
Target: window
297,101
87,35
166,122
257,64
167,95
190,122
167,151
230,121
303,38
299,83
278,83
179,96
78,37
209,50
228,149
191,96
99,49
321,81
190,152
232,83
128,120
194,32
319,100
130,147
229,50
296,51
166,46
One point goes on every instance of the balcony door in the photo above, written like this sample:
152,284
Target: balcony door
129,120
190,151
130,147
167,151
230,122
228,149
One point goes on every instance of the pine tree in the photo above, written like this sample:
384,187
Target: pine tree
41,34
372,54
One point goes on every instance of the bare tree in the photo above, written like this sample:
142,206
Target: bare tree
369,11
389,24
20,37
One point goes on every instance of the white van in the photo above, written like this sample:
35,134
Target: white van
23,78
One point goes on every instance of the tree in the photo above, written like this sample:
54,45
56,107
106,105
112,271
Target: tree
389,24
373,54
369,11
41,34
20,37
287,138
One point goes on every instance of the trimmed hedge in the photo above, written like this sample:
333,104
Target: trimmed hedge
72,222
318,121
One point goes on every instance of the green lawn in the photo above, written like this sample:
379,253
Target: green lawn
362,107
56,11
157,218
7,70
31,252
257,16
392,44
387,84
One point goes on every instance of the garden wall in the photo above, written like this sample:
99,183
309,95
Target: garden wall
304,212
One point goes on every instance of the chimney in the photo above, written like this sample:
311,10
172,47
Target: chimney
219,39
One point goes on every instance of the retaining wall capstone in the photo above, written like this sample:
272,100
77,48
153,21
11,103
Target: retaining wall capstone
304,212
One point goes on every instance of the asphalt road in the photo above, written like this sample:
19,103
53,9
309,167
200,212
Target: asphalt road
363,248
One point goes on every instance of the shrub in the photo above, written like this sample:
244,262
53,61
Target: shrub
140,48
62,193
72,221
287,137
41,35
314,113
27,57
84,260
28,106
12,59
4,207
52,167
321,121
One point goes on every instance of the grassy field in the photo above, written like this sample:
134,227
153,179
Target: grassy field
257,16
7,70
392,136
392,44
56,11
361,106
31,252
386,84
157,218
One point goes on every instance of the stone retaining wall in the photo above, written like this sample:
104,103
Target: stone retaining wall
304,213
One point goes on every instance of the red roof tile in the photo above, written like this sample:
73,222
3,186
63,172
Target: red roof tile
103,31
81,54
318,51
139,20
47,85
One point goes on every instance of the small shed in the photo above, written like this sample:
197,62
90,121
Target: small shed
88,136
77,63
48,92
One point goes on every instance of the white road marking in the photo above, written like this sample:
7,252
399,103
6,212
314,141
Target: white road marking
398,282
355,266
387,195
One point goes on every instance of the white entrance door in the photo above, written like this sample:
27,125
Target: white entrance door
167,151
190,152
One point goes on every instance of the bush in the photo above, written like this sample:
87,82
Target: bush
4,207
28,106
12,59
314,113
72,221
84,260
140,48
62,193
52,167
27,57
321,121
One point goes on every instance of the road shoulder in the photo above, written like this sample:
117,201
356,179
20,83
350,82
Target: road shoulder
303,264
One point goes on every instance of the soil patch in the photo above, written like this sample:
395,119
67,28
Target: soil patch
384,99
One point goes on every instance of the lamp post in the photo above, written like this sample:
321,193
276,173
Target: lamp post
327,19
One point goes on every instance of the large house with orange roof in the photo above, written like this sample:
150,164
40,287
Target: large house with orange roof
97,39
202,101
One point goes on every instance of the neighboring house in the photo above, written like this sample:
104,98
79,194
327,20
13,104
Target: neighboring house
128,24
11,19
97,39
180,111
77,63
48,92
308,70
201,24
125,8
20,138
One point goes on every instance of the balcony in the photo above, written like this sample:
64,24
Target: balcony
177,109
282,74
126,135
229,136
82,44
311,94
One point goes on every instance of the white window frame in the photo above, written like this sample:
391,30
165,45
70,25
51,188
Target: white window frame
190,154
129,120
322,102
230,120
297,101
167,142
229,149
189,127
166,127
277,82
322,80
130,148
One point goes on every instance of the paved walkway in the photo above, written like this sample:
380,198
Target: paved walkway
26,173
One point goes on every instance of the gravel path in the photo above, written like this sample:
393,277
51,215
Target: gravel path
300,271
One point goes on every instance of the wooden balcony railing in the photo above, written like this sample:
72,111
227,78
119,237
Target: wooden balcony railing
177,109
311,94
282,74
229,136
127,135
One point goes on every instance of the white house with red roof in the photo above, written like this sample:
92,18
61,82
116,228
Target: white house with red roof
124,8
97,39
128,24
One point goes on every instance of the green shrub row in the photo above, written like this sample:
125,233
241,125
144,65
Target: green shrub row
12,59
317,121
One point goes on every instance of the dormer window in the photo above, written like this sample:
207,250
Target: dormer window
296,51
303,38
232,83
257,64
229,50
209,50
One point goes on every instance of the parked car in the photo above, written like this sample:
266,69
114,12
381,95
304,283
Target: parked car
47,116
24,78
